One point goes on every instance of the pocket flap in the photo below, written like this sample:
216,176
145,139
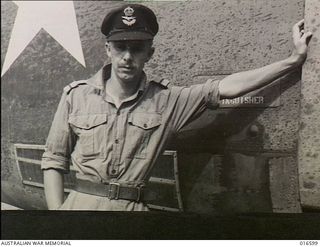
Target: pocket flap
88,121
145,120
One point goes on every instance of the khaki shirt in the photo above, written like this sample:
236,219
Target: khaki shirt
109,144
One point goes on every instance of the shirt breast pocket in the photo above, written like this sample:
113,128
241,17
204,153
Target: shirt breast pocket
91,132
142,127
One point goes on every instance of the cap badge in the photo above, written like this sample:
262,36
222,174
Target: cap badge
128,19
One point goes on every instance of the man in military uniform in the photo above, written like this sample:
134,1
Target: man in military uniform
114,125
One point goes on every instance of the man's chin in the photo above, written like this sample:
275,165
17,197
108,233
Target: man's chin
127,78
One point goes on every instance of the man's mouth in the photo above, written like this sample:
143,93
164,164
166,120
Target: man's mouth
126,68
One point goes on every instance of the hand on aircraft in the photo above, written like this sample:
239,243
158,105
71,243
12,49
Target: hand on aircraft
300,40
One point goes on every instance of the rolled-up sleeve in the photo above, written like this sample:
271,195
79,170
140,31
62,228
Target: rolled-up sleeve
192,101
60,141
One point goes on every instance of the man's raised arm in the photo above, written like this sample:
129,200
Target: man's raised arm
241,83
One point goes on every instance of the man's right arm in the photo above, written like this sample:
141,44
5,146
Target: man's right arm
56,158
53,187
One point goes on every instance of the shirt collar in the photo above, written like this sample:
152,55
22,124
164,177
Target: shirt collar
100,78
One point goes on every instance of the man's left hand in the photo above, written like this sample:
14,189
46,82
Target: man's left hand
300,41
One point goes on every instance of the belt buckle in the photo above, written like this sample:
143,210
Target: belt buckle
116,196
139,190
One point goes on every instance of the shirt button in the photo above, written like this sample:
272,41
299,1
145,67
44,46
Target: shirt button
113,171
116,141
145,125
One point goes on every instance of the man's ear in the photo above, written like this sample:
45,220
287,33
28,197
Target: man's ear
107,46
150,54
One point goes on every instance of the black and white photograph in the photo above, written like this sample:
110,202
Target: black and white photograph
169,120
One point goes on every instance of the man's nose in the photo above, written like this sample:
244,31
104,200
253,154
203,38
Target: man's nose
127,55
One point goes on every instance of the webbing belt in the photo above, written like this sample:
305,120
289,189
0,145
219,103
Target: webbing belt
115,191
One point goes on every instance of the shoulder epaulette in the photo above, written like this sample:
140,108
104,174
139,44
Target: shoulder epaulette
73,85
163,82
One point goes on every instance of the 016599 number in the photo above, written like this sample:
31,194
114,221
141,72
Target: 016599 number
309,243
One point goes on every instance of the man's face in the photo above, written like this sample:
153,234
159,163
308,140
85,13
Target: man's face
128,58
